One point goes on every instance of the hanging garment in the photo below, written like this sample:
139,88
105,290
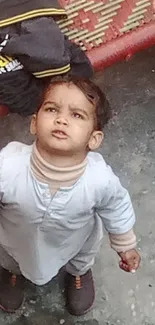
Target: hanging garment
34,49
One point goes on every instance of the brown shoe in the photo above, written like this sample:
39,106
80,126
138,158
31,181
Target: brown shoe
80,293
11,291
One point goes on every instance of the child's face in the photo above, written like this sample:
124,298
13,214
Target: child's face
65,122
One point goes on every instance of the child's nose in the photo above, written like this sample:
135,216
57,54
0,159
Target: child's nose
61,120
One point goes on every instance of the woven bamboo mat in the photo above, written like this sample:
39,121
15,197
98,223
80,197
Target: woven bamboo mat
90,23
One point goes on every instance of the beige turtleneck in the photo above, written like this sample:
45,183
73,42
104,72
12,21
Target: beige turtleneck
57,177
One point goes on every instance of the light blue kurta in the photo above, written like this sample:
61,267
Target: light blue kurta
43,232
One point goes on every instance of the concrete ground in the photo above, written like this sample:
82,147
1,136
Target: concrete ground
121,299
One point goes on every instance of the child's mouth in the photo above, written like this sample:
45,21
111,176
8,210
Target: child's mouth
59,134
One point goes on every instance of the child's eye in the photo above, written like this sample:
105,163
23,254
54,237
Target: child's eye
51,109
77,115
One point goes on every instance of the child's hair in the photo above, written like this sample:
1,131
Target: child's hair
92,92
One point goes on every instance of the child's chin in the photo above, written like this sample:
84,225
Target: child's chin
60,148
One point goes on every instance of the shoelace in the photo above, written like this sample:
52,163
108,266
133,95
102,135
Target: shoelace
13,280
78,282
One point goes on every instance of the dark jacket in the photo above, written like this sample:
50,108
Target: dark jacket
22,93
32,51
39,45
14,11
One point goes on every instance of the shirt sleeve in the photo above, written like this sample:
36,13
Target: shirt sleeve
115,206
123,242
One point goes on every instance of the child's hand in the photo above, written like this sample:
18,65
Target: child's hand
130,261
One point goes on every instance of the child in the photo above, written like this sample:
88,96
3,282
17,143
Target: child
56,197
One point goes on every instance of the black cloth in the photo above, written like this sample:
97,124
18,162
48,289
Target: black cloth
39,45
43,49
79,62
21,93
13,11
31,52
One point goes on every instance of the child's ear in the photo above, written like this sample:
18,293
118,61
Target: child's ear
33,125
95,140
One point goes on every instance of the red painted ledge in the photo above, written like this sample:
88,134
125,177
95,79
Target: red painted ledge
123,47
